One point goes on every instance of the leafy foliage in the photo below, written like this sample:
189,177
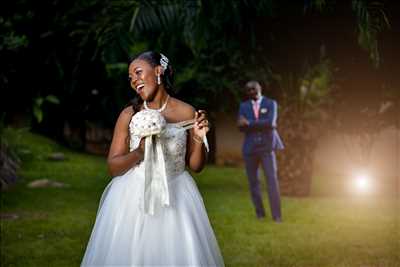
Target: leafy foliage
372,19
9,160
213,46
78,51
37,105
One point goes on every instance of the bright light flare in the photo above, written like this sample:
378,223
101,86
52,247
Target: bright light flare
362,182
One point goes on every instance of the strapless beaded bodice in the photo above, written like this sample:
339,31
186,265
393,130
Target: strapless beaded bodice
174,144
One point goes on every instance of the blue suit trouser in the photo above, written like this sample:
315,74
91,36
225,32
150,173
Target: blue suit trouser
268,163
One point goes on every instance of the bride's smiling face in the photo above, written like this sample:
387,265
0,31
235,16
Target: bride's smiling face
143,79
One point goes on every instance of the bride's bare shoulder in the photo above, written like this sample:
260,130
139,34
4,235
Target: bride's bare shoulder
125,116
128,111
183,110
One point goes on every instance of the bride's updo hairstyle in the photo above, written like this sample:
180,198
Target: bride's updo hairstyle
167,77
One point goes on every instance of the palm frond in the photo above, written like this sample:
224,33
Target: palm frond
371,20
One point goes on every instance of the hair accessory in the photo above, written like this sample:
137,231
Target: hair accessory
164,62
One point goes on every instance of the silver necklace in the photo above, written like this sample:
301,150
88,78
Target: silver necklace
160,109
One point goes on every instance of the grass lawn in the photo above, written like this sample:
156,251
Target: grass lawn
53,224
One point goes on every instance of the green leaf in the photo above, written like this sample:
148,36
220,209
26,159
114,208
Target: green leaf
186,75
52,99
38,113
38,101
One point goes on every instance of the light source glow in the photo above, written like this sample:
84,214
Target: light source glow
362,181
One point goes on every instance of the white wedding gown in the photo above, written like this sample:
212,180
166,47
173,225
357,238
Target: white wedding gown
177,235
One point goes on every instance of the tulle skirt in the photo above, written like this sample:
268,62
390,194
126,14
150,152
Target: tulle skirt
177,235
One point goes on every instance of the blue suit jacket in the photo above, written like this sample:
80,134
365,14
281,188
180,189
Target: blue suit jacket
261,134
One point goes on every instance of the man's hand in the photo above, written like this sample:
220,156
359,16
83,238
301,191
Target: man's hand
242,122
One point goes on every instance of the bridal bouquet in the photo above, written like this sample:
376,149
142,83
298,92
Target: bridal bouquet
148,124
145,123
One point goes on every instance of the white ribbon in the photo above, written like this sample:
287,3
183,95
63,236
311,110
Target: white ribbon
190,124
155,193
155,189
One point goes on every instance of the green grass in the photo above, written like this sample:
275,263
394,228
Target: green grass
54,223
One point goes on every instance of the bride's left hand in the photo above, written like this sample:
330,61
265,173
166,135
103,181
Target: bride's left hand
202,125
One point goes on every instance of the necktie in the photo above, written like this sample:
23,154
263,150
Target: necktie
256,108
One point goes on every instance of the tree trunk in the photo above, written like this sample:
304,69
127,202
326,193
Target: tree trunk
296,160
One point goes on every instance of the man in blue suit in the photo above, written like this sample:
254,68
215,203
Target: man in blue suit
257,119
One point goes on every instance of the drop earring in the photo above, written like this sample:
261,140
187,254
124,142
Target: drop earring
158,80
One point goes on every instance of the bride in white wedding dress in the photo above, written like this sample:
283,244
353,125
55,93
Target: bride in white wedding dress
151,213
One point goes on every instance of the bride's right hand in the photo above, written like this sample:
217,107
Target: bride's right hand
140,149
